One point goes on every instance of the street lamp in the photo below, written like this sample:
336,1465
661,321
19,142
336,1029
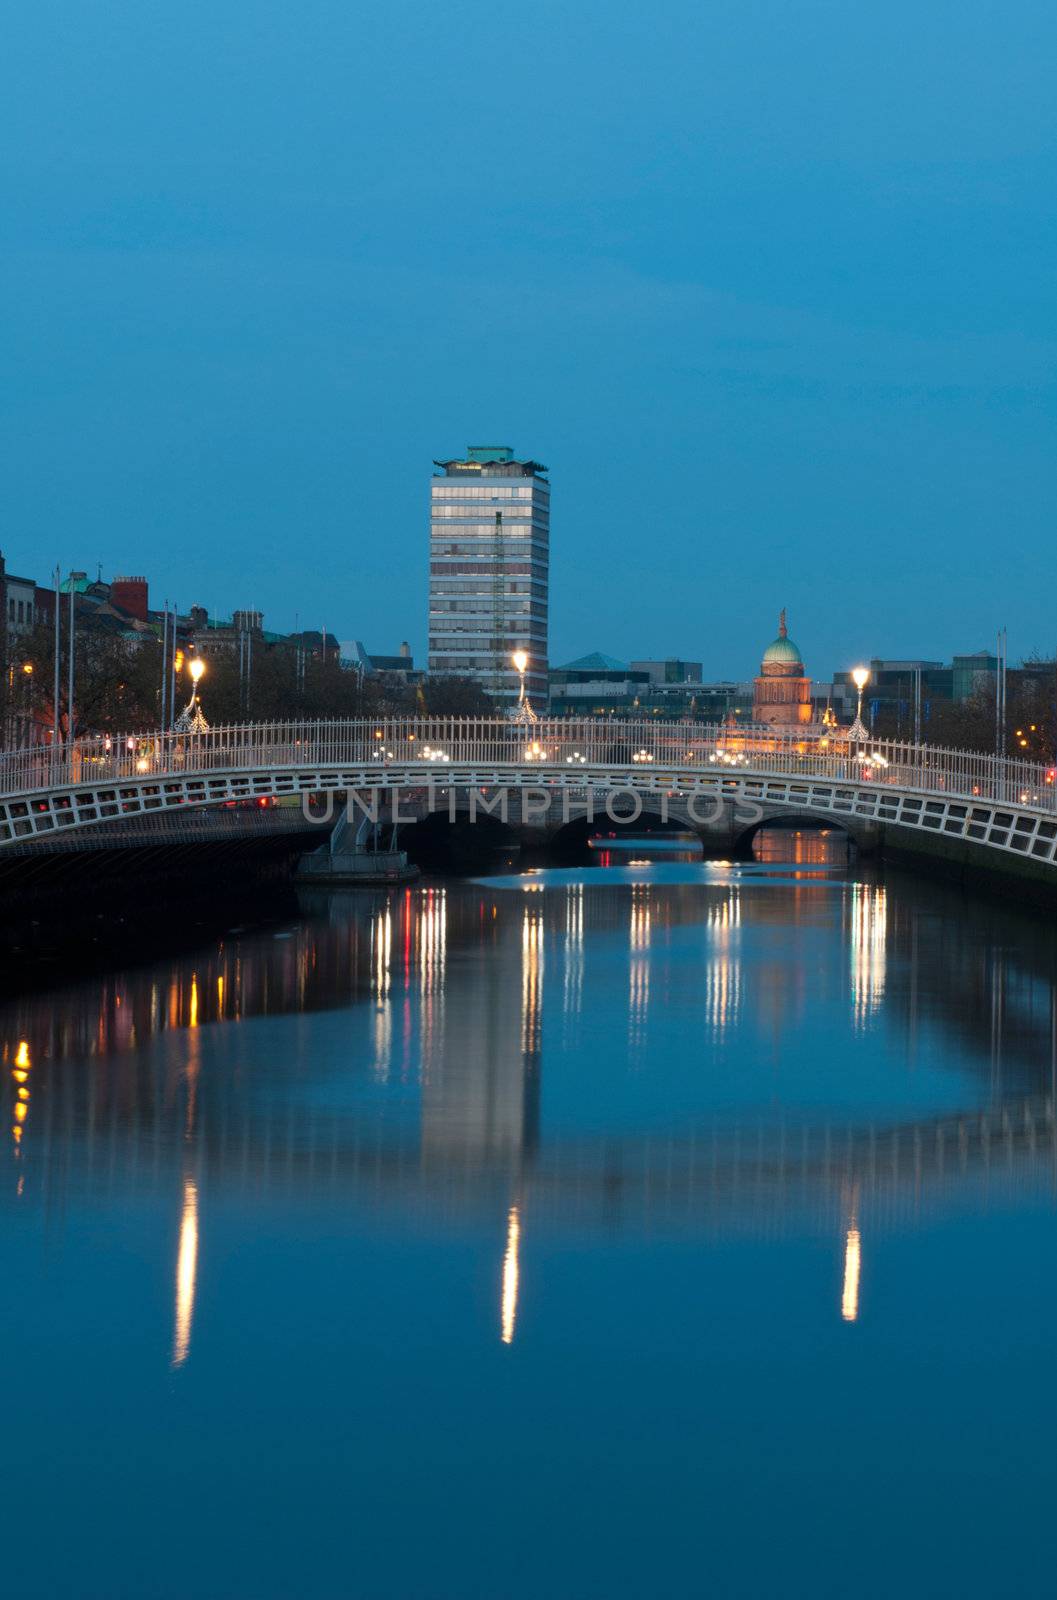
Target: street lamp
860,677
523,711
191,719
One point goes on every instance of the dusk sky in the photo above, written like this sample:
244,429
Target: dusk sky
770,287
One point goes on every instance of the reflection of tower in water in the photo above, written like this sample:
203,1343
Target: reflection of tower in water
481,1084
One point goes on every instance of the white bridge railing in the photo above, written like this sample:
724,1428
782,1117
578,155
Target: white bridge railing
494,744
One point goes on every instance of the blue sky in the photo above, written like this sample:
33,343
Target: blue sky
770,287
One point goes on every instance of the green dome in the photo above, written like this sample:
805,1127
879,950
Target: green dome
783,649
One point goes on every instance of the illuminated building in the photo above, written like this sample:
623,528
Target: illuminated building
782,692
489,571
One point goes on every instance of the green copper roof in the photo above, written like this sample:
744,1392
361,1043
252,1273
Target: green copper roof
783,649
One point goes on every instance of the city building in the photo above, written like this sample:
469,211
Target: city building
18,605
900,691
601,685
671,670
489,571
596,685
973,674
394,671
782,692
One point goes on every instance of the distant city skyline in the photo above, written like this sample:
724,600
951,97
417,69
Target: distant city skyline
742,666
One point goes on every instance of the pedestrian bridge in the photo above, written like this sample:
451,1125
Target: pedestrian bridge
982,808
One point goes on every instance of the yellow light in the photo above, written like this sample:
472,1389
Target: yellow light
510,1275
22,1056
849,1305
196,668
27,666
20,1110
186,1268
178,661
860,677
520,660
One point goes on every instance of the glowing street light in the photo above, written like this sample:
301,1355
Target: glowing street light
860,677
191,719
523,712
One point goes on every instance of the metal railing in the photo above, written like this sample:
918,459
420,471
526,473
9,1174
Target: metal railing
497,744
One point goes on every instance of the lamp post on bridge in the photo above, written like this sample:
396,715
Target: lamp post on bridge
523,711
857,732
191,719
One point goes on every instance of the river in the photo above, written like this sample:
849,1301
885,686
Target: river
656,1227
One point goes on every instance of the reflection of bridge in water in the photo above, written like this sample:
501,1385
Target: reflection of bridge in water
126,1093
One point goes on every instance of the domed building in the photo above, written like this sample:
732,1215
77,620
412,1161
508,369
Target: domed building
782,692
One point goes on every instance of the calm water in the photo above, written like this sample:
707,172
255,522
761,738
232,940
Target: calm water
655,1228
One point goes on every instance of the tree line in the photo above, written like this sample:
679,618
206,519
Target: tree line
118,686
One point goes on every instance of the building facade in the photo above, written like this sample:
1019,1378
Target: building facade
782,692
489,571
598,685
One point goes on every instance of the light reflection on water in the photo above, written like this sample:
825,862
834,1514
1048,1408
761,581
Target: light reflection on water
618,1065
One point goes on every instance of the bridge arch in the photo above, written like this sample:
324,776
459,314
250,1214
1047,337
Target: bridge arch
959,808
862,835
570,839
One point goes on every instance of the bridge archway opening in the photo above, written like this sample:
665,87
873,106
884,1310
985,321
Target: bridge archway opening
582,841
438,841
799,839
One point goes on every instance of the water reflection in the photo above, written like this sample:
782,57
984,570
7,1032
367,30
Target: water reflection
20,1078
867,927
510,1276
186,1272
849,1304
714,1041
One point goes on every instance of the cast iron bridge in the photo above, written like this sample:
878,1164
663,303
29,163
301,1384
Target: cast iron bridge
997,808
